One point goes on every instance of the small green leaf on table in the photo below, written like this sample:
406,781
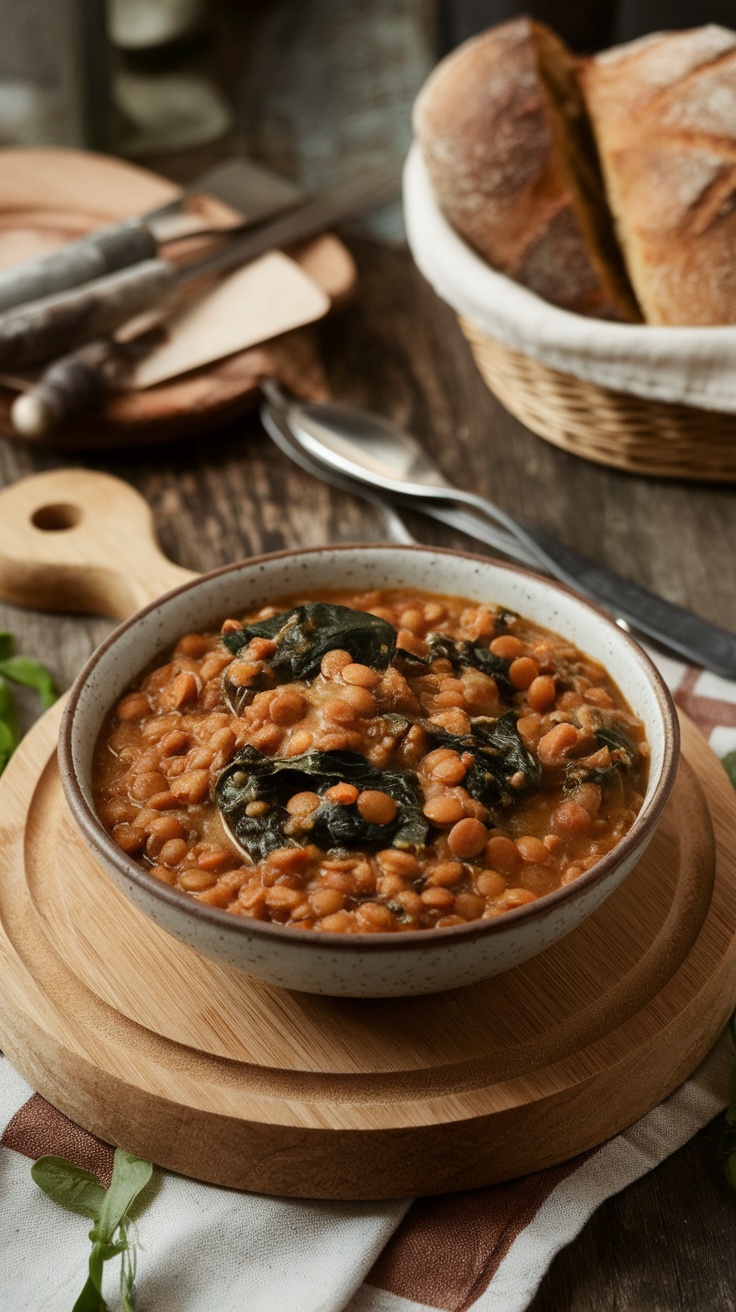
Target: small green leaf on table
32,675
18,669
729,765
79,1191
70,1186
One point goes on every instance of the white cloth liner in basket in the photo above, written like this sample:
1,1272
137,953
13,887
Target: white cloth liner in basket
694,366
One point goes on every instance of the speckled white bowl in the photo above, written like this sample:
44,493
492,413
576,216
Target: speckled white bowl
364,965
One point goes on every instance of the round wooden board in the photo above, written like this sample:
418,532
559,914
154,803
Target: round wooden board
49,196
190,1064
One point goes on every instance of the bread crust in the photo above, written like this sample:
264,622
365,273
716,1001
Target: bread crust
663,111
498,152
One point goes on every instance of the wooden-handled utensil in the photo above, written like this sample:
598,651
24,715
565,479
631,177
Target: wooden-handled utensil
244,186
57,324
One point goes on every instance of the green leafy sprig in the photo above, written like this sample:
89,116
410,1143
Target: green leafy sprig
18,669
79,1191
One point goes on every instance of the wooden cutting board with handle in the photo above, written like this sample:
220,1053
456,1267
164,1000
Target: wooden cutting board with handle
48,197
194,1066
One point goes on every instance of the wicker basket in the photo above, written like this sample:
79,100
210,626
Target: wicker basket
612,428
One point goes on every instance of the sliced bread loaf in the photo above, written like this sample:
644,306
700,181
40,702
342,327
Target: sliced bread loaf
663,110
508,147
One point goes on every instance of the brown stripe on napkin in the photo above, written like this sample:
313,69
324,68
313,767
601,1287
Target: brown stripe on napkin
708,713
38,1128
447,1250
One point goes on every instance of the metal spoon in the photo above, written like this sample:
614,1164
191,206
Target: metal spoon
496,538
376,453
279,433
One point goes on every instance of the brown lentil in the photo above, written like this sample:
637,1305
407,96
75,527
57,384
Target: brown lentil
345,794
532,849
467,838
376,807
444,809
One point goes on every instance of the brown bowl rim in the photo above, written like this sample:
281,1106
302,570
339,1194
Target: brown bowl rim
101,842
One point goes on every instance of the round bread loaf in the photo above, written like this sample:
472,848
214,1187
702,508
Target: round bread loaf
664,114
508,148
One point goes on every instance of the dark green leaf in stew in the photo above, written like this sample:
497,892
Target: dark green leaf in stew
503,768
252,793
461,654
623,755
306,633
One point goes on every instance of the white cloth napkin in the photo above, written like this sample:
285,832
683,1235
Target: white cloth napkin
696,366
206,1249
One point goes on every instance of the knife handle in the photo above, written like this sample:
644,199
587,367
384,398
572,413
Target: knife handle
93,256
58,324
72,386
79,383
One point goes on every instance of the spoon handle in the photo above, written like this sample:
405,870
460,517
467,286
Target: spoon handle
475,527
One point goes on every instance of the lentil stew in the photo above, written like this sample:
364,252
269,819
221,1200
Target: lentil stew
371,762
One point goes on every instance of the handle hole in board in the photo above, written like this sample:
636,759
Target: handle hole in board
52,519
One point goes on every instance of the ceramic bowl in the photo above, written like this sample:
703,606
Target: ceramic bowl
364,965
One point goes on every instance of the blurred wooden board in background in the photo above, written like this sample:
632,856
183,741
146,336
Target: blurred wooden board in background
51,196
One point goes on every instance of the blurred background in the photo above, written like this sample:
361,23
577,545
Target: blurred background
586,25
313,88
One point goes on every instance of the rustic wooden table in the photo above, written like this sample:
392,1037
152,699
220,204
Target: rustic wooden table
667,1243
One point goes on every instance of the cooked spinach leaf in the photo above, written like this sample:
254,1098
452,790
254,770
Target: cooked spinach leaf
306,633
617,741
576,774
254,778
499,756
624,753
462,654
